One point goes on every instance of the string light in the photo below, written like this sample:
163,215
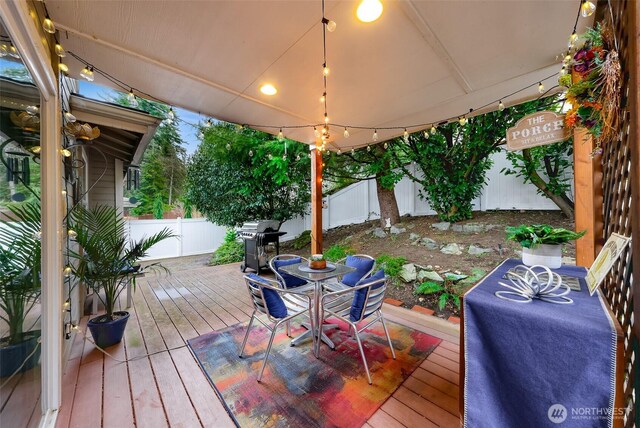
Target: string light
374,137
208,123
13,52
66,153
572,39
386,145
47,25
405,136
426,134
270,156
323,98
462,120
326,118
324,130
250,153
316,132
60,50
87,73
228,146
433,129
339,151
32,110
298,157
500,105
200,135
353,151
72,233
67,271
368,148
280,135
587,8
171,115
69,117
346,133
131,97
540,87
36,149
325,69
567,57
63,67
331,25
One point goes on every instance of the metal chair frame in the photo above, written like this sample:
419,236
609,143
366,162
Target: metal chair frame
299,302
306,287
338,304
339,285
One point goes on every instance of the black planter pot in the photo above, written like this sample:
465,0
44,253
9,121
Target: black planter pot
12,356
106,333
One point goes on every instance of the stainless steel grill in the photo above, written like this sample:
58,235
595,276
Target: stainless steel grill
257,236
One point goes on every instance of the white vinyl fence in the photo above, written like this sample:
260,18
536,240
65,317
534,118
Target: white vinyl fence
354,204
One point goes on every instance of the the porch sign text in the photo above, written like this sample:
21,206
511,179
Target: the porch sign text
537,129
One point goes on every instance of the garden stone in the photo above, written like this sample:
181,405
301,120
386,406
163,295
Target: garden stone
475,250
414,237
444,226
454,277
453,249
408,273
397,230
474,228
379,233
425,275
429,243
457,228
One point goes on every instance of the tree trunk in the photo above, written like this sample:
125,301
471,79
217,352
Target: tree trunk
562,201
388,204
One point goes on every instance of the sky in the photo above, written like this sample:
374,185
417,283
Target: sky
188,133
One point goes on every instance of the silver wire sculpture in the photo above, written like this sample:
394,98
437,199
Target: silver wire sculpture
535,282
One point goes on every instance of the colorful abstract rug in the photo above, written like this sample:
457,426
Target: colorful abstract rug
299,390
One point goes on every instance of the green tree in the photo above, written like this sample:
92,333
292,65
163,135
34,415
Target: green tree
163,166
240,174
548,168
453,162
374,163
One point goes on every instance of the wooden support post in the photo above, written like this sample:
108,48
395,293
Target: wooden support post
316,200
634,136
588,198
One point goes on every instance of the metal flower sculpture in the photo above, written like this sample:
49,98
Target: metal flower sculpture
537,282
81,131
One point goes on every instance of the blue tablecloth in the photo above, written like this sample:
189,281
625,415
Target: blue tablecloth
537,364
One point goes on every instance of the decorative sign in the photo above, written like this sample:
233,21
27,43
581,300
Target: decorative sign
537,129
604,262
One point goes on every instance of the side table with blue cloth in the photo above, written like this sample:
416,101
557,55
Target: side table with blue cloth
537,364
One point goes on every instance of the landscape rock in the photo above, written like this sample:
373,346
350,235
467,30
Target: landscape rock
457,228
414,237
429,243
454,277
425,275
378,232
476,250
395,230
408,273
444,225
453,249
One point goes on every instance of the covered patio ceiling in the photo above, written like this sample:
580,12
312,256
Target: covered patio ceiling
421,62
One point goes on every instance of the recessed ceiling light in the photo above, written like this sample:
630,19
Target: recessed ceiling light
369,10
268,89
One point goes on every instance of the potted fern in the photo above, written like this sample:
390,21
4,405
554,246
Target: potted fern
541,243
105,259
19,286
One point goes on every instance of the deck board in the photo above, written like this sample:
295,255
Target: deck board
166,386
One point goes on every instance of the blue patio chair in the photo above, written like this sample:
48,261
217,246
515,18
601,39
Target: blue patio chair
364,265
286,280
277,305
356,304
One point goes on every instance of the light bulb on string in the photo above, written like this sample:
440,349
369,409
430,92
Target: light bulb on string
331,25
323,98
405,136
368,148
540,87
587,8
298,157
67,271
87,73
32,110
339,152
426,134
500,105
4,50
270,156
171,115
66,153
567,57
228,146
131,97
63,67
386,145
572,39
325,69
280,135
353,151
69,117
316,132
250,153
200,135
324,130
462,120
72,233
374,137
433,129
326,118
284,157
47,25
346,133
13,52
208,123
60,50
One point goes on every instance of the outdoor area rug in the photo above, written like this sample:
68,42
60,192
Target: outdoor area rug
299,390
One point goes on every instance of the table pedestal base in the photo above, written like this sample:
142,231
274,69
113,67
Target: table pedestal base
307,334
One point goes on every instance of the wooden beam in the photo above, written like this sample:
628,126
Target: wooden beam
588,198
634,136
316,200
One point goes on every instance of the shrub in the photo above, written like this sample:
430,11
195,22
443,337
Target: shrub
337,252
231,250
391,265
302,240
447,292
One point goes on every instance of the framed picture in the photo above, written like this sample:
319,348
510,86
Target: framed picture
604,262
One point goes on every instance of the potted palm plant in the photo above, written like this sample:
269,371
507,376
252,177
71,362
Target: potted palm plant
541,243
19,286
104,262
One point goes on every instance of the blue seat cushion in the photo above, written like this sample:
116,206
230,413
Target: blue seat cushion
290,280
357,306
275,304
362,266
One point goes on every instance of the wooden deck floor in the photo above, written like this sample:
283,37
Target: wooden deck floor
167,388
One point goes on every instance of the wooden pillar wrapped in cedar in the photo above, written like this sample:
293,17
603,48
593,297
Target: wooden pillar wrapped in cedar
588,197
316,200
